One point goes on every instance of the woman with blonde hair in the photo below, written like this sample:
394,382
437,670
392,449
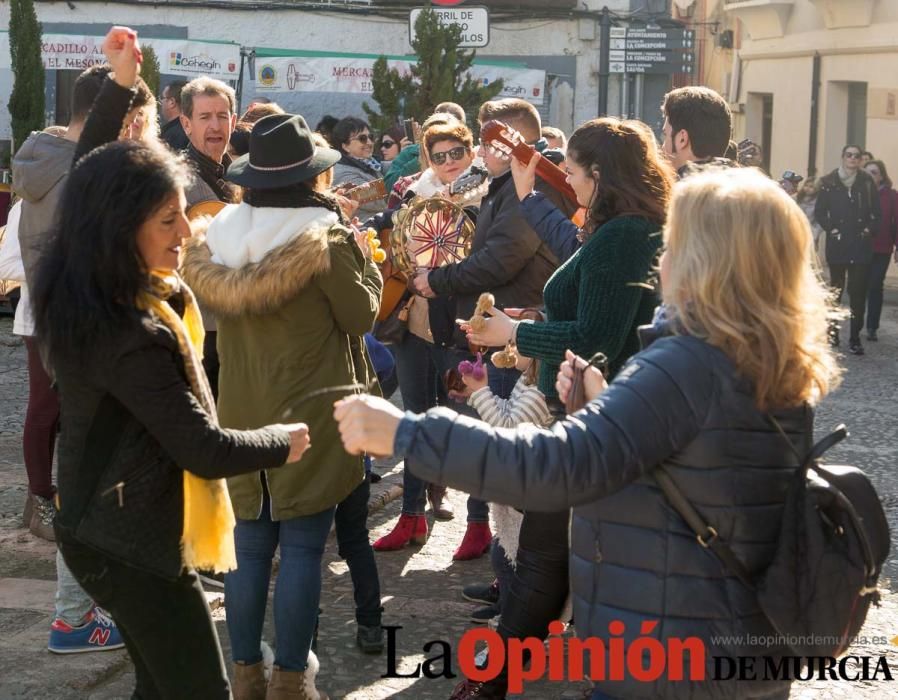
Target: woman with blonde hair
743,349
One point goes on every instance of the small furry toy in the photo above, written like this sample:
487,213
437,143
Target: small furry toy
475,369
485,303
505,359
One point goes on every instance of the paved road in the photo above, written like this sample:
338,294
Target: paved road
421,587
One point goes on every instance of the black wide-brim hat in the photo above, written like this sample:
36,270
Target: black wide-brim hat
281,153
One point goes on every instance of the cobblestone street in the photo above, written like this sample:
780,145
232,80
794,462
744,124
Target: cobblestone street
421,587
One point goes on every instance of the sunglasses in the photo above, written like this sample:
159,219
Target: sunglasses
456,153
852,154
362,138
387,144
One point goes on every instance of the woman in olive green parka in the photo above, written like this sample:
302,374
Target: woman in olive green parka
293,294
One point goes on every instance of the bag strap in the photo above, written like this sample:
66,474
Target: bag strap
816,452
705,534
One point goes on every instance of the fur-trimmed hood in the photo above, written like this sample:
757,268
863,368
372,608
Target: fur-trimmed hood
255,259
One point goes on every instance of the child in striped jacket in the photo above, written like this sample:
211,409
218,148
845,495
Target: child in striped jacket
525,405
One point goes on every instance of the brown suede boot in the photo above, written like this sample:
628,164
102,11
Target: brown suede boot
249,681
295,685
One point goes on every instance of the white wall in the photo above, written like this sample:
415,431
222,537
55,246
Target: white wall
296,29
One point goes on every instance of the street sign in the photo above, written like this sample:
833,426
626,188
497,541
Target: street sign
659,51
474,23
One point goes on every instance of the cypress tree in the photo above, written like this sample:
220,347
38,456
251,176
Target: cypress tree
26,103
149,69
439,75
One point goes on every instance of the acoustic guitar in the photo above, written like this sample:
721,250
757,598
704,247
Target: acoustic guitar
367,192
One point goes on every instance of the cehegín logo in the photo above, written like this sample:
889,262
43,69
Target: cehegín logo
268,76
201,62
645,660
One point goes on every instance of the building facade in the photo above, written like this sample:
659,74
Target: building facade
558,40
814,75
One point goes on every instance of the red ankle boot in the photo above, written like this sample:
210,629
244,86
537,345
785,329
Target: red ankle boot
410,528
475,543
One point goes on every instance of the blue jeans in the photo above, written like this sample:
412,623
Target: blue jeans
878,268
296,594
72,603
420,367
351,520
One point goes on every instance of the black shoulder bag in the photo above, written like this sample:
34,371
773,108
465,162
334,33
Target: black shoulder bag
833,541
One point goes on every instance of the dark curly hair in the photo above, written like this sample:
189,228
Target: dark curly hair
634,178
91,272
345,129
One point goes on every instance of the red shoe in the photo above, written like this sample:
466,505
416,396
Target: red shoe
410,528
476,542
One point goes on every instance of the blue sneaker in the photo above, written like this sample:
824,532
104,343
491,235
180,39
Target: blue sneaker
97,633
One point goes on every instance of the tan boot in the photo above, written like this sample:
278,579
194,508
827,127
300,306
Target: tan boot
295,685
43,513
249,681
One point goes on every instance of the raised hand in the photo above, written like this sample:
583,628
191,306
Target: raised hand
524,176
123,53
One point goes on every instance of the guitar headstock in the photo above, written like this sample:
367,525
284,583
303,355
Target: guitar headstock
469,184
501,140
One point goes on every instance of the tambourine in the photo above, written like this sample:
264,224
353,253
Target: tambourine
428,234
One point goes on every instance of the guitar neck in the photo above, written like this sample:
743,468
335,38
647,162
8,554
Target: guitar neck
546,169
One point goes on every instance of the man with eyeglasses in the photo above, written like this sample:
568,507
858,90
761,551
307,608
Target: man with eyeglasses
848,210
170,107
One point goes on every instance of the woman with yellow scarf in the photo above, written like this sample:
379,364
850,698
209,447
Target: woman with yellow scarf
142,461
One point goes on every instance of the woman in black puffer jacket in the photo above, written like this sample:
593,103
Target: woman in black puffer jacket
745,339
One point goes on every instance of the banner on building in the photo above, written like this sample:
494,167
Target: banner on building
176,56
354,73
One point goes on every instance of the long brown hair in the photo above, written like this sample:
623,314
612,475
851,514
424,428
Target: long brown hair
634,178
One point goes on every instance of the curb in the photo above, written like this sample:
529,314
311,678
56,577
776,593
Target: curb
381,500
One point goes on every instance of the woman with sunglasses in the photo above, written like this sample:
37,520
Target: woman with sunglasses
357,165
389,146
425,352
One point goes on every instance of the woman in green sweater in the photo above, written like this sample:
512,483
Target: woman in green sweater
598,297
593,303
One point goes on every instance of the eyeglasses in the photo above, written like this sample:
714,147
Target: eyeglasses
456,153
387,144
852,154
362,138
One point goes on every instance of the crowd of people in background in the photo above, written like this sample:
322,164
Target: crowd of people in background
175,367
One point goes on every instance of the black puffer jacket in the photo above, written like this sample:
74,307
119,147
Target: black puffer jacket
849,217
679,403
130,425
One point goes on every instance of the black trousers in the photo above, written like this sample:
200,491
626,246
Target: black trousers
878,269
351,523
166,625
210,361
857,276
539,586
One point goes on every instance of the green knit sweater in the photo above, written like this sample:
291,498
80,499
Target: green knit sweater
596,300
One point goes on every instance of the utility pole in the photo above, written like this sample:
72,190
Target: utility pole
604,60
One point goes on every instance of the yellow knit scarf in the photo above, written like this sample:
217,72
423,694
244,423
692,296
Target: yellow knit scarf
207,539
